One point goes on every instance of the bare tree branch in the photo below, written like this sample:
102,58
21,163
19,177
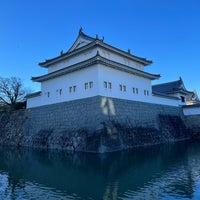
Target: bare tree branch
11,90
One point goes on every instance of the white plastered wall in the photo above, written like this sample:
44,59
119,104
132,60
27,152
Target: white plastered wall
91,53
51,88
120,59
117,78
98,74
71,61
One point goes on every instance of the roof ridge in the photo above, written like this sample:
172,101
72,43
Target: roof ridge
166,83
117,48
85,35
95,41
63,54
127,53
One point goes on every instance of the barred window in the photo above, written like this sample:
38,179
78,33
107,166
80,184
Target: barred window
120,87
124,87
105,84
70,89
109,85
91,84
146,92
86,86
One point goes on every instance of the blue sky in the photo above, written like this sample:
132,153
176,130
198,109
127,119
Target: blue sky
167,32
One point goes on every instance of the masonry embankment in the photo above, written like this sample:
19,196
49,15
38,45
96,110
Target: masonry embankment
193,123
96,124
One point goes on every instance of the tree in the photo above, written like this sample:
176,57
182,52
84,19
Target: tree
11,91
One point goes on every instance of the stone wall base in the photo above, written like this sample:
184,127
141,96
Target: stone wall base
96,124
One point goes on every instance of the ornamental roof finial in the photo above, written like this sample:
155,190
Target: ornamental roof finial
129,51
97,37
80,30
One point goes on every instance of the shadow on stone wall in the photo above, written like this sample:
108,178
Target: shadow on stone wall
113,136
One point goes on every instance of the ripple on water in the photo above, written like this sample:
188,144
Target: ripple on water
178,183
31,191
159,173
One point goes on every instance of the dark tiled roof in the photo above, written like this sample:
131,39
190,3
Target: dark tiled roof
93,42
82,35
164,95
170,87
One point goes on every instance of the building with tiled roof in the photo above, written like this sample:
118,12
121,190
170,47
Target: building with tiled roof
174,89
92,68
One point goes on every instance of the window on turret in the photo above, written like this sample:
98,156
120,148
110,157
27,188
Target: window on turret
86,86
48,94
109,85
105,84
91,84
122,88
70,89
135,90
146,92
59,91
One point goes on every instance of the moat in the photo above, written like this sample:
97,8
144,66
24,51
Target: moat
170,171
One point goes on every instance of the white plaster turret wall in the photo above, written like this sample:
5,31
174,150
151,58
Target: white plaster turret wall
120,59
93,81
122,85
91,53
72,60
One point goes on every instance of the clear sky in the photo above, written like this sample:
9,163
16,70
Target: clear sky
166,32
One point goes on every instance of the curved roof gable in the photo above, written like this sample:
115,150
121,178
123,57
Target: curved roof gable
171,87
81,41
84,42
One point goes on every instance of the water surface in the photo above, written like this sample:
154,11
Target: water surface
159,172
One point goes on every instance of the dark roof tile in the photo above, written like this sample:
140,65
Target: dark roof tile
170,87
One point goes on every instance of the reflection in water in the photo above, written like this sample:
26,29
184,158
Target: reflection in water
160,172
